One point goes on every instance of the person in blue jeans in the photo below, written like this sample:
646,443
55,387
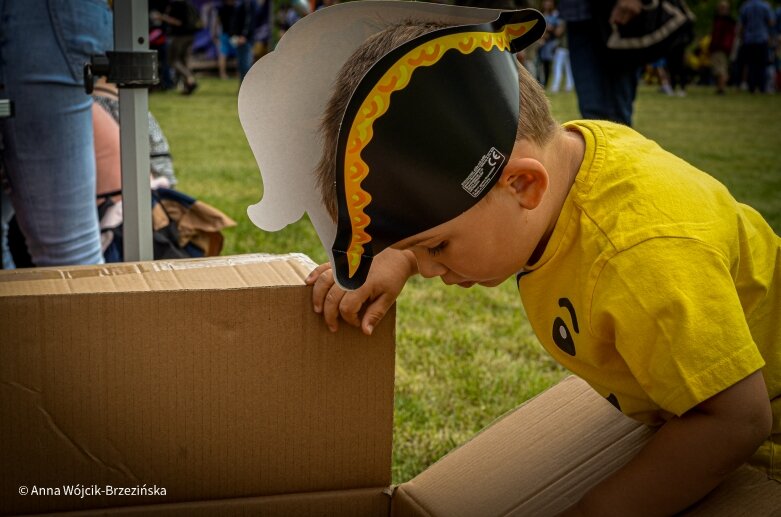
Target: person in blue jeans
755,28
243,31
606,89
549,40
47,146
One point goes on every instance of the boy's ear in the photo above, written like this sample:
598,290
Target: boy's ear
527,180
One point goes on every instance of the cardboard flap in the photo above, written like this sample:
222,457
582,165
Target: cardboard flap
542,457
536,460
230,272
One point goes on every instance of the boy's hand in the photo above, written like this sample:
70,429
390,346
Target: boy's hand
366,306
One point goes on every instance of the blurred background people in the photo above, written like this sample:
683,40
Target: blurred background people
755,27
241,33
656,72
677,70
183,21
549,42
561,64
226,11
775,52
722,41
161,165
606,88
158,40
262,25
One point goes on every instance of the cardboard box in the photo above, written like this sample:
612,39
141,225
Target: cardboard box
214,380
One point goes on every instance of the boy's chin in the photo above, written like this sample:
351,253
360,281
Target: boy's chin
466,284
492,283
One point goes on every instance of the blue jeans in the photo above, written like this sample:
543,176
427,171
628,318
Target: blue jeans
243,59
6,212
606,89
48,145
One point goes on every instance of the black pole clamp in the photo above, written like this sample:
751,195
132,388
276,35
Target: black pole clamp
137,69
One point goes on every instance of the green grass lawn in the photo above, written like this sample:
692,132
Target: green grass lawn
465,357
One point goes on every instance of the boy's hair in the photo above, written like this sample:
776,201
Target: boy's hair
536,123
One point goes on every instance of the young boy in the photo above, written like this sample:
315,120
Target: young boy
638,272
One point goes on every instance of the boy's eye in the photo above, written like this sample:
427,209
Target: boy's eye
436,250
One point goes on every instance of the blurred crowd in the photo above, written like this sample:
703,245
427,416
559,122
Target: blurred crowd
741,49
60,150
221,35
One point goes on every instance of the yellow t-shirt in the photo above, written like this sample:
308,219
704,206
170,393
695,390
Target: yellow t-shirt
657,287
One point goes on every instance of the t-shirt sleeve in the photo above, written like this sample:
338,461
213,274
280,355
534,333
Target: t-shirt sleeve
672,309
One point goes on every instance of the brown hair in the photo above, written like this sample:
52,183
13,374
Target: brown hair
536,124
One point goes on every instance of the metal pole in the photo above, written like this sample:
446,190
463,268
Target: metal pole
131,32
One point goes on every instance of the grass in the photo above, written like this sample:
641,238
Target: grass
465,357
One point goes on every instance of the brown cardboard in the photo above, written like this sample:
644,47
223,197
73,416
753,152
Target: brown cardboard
542,457
211,378
367,502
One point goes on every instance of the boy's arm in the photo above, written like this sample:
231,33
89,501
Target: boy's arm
688,457
366,306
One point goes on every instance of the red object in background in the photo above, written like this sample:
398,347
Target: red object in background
156,37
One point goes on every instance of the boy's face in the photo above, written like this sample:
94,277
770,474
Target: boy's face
485,245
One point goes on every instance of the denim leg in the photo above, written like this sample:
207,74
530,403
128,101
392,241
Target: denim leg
560,67
606,90
6,213
569,85
49,153
243,59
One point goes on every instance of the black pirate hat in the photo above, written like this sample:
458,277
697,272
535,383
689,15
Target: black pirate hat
425,135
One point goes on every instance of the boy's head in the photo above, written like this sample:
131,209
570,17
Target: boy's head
424,128
396,164
535,123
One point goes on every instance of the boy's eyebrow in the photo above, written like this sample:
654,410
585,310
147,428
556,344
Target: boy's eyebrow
410,242
427,241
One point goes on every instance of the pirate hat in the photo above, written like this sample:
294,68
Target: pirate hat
425,135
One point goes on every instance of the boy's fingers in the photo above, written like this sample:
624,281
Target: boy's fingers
323,282
316,272
351,305
331,307
375,312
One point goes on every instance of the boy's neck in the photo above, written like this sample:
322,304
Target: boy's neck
562,157
566,150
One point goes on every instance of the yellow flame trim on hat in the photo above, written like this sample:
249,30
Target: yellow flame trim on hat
376,104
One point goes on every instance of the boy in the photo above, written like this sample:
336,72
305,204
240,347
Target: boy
638,272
